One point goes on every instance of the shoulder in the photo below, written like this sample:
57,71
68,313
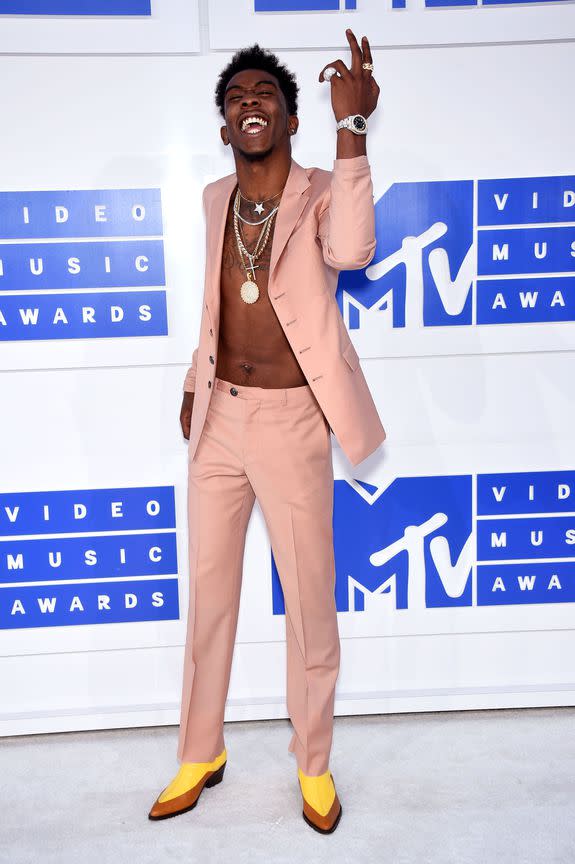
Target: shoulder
212,189
320,182
319,178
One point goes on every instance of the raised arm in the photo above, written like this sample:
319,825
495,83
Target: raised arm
347,221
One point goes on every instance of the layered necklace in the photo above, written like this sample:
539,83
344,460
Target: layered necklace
249,291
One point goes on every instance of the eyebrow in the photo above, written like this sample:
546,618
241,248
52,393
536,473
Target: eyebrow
239,86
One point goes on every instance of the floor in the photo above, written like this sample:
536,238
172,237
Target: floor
464,787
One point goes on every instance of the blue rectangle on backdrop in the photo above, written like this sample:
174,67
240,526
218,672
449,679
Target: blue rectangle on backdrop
73,558
507,2
296,5
446,4
525,539
515,584
514,251
523,301
526,200
88,603
524,492
85,264
75,7
61,213
68,511
83,316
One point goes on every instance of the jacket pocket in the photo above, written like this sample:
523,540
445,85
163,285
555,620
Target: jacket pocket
351,356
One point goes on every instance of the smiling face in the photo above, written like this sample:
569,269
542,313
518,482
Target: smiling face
256,115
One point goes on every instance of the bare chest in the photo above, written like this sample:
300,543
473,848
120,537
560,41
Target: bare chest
252,346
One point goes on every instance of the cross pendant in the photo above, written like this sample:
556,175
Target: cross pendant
253,267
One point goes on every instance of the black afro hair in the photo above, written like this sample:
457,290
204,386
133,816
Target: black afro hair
255,57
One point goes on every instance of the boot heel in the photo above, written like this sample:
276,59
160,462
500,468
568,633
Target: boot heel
216,777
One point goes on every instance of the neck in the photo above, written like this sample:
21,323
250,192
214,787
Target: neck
259,179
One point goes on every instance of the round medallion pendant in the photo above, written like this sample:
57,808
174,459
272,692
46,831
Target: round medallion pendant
249,292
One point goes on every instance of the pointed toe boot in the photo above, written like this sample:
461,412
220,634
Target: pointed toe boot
189,799
326,823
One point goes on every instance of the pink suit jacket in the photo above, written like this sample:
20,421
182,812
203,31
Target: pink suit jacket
325,223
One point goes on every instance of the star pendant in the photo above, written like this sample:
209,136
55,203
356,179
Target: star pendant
259,208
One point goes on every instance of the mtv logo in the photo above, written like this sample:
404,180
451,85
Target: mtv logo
304,5
410,544
424,265
428,271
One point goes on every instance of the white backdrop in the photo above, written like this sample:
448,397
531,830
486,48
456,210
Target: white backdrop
171,27
419,22
423,627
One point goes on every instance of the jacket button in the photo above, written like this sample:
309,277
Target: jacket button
233,391
211,359
209,383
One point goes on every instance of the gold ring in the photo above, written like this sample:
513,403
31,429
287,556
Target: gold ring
367,66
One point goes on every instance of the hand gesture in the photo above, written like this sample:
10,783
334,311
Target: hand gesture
355,90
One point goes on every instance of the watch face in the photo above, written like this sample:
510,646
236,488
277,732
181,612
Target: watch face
359,122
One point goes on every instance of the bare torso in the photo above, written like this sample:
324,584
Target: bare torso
252,347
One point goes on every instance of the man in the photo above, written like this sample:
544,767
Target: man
274,372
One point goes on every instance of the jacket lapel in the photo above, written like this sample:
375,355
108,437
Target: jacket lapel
294,198
216,229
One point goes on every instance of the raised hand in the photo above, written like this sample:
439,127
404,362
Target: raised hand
354,90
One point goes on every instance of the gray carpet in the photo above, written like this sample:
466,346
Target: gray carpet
465,787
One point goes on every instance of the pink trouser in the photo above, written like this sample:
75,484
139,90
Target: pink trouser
273,444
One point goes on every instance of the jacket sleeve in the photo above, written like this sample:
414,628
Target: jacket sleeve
347,219
190,379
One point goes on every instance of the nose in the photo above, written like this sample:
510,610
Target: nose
250,100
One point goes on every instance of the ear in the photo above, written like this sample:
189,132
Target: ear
293,124
224,135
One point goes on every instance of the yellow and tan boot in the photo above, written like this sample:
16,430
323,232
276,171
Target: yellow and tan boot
183,792
321,806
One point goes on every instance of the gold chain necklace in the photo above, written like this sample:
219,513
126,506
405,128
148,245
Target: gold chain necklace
249,291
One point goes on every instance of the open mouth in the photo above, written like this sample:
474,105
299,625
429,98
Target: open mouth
253,125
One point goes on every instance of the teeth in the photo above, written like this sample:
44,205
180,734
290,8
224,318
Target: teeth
248,120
